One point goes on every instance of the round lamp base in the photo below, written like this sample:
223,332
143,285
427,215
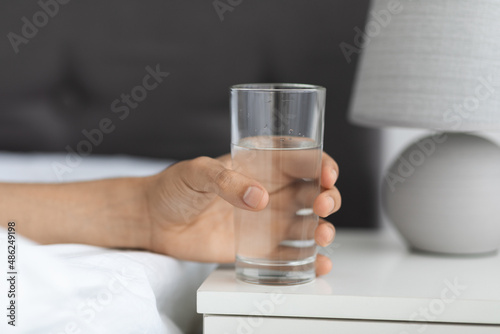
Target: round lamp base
443,194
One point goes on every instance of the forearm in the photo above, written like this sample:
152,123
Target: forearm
109,213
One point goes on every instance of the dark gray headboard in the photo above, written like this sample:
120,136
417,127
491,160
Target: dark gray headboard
70,73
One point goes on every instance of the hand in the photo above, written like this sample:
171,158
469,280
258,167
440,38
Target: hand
191,206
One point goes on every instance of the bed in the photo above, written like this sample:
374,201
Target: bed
70,288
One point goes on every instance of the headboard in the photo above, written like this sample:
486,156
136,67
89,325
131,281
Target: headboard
96,71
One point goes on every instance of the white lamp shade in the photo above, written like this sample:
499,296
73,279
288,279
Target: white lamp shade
431,64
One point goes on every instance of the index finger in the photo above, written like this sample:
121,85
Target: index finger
329,171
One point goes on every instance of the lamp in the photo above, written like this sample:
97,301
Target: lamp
435,64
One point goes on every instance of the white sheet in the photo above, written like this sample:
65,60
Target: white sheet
87,289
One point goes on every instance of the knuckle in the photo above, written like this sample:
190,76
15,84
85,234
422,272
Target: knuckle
200,162
223,178
196,165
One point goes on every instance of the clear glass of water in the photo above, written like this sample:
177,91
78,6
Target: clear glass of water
277,139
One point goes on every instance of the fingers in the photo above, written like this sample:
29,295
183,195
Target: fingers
329,171
307,228
325,233
277,169
323,265
299,164
208,175
300,227
328,202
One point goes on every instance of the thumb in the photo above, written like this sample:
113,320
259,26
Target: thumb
205,174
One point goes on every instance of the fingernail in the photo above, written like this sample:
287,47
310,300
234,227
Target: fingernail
331,204
330,235
253,196
335,175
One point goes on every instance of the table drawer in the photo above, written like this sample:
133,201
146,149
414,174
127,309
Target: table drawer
217,324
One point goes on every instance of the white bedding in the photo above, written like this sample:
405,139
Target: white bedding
86,289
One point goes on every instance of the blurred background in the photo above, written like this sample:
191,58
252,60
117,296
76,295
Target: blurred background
68,65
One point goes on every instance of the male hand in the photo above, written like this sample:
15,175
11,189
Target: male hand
191,206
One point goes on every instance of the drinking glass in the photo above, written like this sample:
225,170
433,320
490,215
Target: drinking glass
277,139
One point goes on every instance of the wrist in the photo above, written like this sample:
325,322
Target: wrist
127,220
147,188
160,237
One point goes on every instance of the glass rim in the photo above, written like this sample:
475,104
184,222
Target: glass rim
277,87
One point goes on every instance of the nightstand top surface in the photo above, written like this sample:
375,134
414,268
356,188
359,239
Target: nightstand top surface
375,277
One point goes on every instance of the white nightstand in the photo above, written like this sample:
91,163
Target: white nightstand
376,286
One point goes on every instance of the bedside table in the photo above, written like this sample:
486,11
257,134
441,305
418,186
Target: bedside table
376,286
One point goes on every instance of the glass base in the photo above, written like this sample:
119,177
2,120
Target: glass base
276,272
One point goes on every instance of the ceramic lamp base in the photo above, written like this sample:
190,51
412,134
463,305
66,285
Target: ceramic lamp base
443,194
